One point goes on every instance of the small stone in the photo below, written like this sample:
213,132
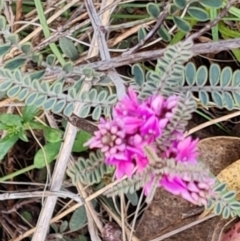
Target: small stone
111,232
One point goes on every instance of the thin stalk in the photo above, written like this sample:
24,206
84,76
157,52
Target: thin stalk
46,31
17,173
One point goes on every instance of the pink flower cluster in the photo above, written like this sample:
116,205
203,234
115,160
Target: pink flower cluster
138,123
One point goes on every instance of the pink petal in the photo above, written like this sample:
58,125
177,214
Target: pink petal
124,168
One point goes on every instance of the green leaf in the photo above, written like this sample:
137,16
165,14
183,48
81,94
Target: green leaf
26,48
37,58
68,110
68,48
6,144
52,135
36,125
182,24
37,75
133,198
210,204
29,112
190,72
84,112
214,74
31,98
51,150
6,85
226,76
236,97
173,9
220,187
81,138
211,3
4,48
54,227
45,86
112,99
3,127
228,100
11,120
23,94
59,106
22,135
204,97
68,67
96,114
57,88
217,98
180,3
64,226
202,76
138,73
163,33
17,75
40,100
78,219
218,208
198,14
13,38
15,63
229,196
92,96
141,34
102,96
235,205
13,91
27,80
27,216
51,59
48,105
226,212
153,10
236,78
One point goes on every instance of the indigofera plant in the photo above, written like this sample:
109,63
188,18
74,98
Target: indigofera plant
141,135
131,142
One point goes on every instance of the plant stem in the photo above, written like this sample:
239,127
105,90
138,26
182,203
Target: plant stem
46,31
17,173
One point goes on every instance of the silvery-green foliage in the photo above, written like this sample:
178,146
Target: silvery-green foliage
101,102
182,113
166,72
68,48
213,86
131,185
89,171
12,40
35,91
197,10
224,202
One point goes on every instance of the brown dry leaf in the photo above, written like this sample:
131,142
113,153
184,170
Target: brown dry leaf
231,176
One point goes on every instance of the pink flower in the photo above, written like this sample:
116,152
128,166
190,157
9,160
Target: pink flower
136,124
110,138
184,150
196,192
123,167
187,150
128,104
